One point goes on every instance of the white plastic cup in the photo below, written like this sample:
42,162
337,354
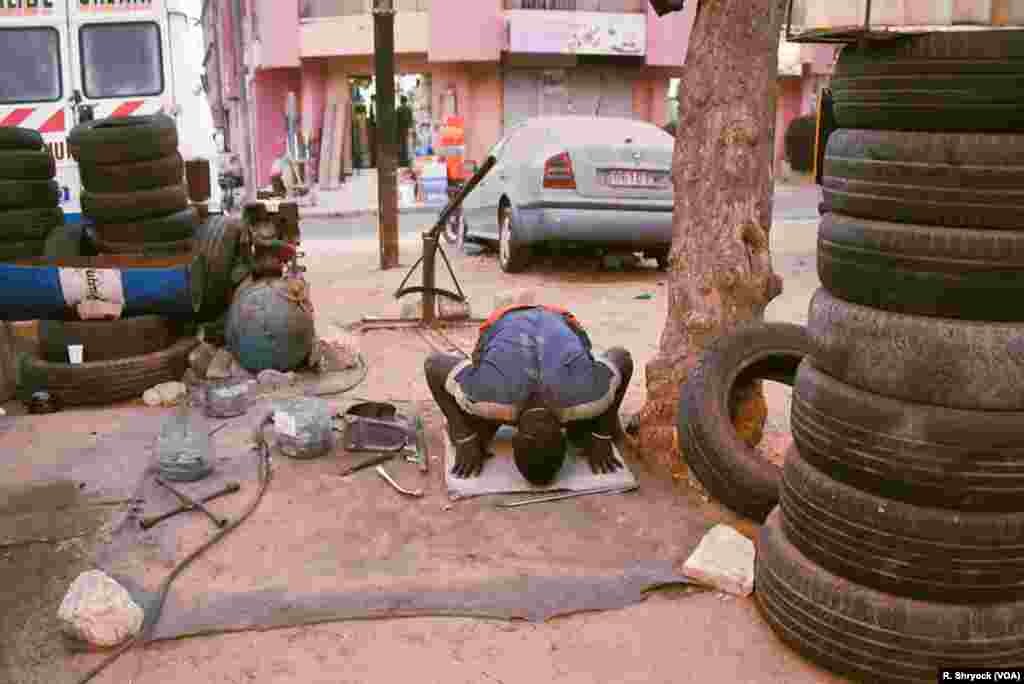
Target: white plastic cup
75,353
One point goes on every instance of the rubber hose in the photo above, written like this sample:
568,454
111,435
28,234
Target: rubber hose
154,617
37,293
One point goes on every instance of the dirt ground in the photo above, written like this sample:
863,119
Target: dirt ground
673,636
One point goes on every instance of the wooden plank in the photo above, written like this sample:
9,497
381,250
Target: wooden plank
327,142
338,146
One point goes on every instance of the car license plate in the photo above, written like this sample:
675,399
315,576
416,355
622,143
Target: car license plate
629,178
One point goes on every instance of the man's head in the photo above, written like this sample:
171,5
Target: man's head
539,445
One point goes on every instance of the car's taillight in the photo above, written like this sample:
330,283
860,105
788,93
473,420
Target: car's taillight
558,173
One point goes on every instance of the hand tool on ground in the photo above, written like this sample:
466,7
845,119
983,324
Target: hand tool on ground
368,463
570,495
402,490
186,499
417,451
150,521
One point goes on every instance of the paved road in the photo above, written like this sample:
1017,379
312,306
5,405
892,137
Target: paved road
797,204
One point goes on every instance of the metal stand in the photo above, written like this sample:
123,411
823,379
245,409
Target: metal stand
431,246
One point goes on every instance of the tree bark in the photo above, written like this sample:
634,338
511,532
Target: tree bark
721,274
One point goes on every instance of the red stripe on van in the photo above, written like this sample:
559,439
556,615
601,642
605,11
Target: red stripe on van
55,124
17,116
126,108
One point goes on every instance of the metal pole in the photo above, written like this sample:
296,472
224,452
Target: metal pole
387,159
248,165
429,280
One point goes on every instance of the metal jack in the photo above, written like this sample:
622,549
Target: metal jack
431,246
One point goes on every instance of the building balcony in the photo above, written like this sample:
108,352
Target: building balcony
344,28
323,9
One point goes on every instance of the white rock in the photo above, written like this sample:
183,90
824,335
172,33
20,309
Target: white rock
165,394
100,611
518,297
724,559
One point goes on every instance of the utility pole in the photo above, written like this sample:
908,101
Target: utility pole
387,157
248,166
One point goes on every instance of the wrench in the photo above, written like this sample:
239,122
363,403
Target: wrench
188,500
383,473
153,520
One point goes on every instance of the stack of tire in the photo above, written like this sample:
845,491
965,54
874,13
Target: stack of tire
898,545
135,203
133,186
29,196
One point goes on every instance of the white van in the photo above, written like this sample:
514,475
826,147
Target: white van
118,57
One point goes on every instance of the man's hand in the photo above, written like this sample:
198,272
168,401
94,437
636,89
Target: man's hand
601,455
469,457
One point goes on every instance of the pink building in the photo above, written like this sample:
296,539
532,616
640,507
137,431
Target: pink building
494,62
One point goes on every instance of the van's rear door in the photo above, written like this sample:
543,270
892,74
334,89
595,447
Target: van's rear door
122,64
36,87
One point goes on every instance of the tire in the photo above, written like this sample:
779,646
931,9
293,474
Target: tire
923,270
513,256
14,138
947,81
914,551
124,139
28,194
29,224
732,471
180,225
65,242
124,207
12,251
106,340
106,382
973,365
24,165
942,179
915,453
144,248
135,176
662,257
218,240
870,635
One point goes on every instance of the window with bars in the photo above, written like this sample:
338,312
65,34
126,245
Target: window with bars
618,6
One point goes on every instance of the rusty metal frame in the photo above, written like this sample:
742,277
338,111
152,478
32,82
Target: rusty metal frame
849,36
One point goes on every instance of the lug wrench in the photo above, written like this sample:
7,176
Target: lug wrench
198,505
152,520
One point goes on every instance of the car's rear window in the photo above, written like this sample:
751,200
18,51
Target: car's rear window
607,129
121,60
31,65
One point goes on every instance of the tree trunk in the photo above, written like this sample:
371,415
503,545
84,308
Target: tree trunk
721,274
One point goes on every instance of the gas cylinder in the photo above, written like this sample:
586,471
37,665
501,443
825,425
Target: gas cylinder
270,324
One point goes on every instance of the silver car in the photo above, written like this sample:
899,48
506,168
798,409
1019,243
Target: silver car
576,181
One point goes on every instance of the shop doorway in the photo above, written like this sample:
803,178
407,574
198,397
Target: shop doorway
413,119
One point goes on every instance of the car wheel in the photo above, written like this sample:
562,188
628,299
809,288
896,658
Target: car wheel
973,365
662,257
734,473
870,635
512,256
919,552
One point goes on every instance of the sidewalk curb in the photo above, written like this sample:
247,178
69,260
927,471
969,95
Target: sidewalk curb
319,213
